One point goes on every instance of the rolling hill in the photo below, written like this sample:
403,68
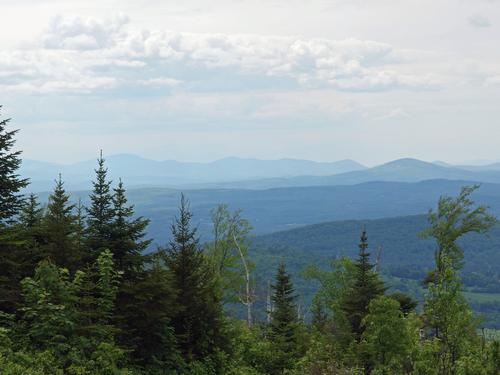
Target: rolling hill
279,209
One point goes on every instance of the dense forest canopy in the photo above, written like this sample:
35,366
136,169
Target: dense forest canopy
79,294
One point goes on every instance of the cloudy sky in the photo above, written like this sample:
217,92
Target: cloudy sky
200,80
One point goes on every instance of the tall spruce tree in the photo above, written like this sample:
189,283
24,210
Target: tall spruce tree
60,226
127,237
11,183
31,234
366,287
145,318
31,213
145,293
13,256
284,322
100,213
198,324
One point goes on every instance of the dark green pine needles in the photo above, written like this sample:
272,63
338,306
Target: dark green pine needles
10,182
367,286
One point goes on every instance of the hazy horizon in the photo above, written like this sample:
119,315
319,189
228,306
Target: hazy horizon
472,162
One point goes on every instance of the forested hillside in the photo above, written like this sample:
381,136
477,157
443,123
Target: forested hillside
80,293
403,256
280,209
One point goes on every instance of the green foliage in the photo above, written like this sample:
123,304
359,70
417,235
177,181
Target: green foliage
198,323
449,318
228,251
388,337
127,236
151,302
60,228
332,295
10,182
366,287
446,312
284,326
49,314
454,218
100,213
78,296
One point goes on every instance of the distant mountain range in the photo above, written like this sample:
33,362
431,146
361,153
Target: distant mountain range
137,171
237,173
402,170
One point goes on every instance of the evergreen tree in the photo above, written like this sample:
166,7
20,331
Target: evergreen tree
366,287
284,324
13,254
31,213
100,213
60,225
127,237
145,295
198,324
10,182
145,324
32,236
97,299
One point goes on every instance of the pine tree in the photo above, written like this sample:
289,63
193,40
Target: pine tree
31,213
98,286
127,237
60,225
145,322
198,324
142,288
366,287
13,256
10,182
32,236
100,213
284,321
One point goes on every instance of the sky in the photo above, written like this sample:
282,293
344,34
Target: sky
201,80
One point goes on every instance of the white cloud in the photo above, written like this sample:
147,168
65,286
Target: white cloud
80,34
81,55
163,81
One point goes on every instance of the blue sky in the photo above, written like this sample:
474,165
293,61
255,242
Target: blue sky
322,80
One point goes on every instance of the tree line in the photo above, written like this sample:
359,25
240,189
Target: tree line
80,294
